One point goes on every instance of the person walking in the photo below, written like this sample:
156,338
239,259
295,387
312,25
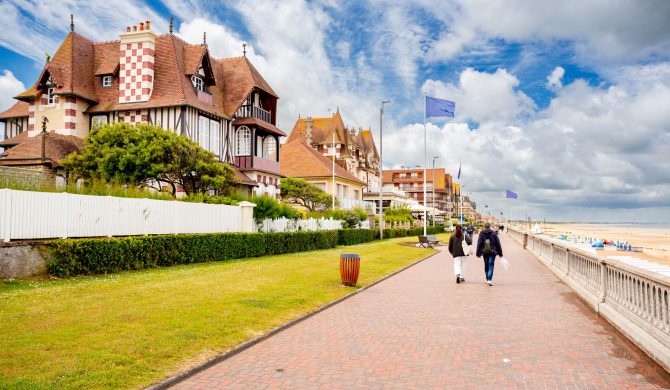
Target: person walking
488,245
456,250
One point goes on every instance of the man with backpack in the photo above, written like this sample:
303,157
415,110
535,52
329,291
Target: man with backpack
488,245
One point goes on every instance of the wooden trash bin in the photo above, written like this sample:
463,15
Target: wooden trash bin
350,265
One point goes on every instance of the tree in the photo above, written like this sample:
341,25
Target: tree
146,155
300,192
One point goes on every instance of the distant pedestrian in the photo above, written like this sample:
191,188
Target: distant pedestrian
488,245
456,250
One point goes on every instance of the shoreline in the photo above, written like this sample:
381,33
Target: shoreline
653,238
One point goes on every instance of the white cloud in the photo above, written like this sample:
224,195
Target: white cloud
619,31
592,149
10,86
482,96
555,79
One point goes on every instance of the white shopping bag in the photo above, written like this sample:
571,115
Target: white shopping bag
466,248
504,262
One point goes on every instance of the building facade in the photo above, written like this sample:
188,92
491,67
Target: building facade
301,161
439,186
223,104
355,150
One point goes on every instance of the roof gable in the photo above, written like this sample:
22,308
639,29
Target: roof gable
300,160
240,78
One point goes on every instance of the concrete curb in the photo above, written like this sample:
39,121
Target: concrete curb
173,380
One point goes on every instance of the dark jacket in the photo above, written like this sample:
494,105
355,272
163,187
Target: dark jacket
495,241
455,246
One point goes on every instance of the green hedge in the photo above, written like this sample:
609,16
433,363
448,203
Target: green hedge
359,236
102,256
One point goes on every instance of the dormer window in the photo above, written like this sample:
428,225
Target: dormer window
106,81
51,98
198,83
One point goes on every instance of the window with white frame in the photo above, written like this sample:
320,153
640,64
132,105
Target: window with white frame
99,120
243,141
214,137
51,98
198,83
106,81
203,132
270,148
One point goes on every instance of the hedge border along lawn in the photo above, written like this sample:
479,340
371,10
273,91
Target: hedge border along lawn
108,255
359,236
87,256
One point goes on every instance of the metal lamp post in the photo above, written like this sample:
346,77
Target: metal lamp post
381,170
433,195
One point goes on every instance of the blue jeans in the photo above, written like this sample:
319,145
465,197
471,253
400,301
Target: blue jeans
489,261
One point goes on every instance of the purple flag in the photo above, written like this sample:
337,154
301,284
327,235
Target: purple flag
439,107
510,195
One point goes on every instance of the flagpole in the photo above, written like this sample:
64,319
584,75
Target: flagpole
425,162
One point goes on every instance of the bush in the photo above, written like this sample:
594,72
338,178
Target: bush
356,236
102,256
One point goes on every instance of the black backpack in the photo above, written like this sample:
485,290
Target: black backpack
488,248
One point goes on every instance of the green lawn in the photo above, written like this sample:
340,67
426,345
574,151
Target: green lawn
132,329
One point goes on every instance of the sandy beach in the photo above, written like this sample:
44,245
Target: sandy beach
655,239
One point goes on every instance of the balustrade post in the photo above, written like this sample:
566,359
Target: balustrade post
603,281
567,261
551,260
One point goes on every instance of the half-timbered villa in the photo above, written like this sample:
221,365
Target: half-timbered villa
223,104
355,149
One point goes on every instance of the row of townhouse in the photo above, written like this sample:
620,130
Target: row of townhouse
223,104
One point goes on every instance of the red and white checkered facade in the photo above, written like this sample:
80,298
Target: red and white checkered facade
136,67
70,114
135,116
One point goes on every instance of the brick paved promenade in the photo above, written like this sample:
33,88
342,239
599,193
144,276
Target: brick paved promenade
419,329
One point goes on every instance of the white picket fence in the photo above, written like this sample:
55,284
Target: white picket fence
37,215
294,225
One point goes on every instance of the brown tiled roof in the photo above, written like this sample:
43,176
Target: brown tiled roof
71,69
57,148
262,124
366,142
172,86
193,58
300,160
106,57
242,177
240,78
19,109
15,140
322,130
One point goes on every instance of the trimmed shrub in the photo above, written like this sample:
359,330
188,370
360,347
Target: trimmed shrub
356,236
102,256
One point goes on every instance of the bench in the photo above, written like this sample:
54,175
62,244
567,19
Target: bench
433,240
424,242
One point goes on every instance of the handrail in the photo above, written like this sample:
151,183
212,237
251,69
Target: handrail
635,300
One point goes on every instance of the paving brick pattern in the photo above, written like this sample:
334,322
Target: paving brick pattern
421,330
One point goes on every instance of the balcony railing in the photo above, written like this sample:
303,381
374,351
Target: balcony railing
250,110
255,162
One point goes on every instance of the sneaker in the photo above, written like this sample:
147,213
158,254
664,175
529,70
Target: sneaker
462,280
458,278
489,282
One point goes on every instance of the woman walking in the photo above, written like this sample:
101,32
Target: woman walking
456,250
488,245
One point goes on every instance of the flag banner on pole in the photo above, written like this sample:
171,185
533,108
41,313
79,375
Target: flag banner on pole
486,206
501,213
510,195
439,107
459,169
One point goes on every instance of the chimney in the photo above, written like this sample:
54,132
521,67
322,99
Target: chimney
308,126
136,70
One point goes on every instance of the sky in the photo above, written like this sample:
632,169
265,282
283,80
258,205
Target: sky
565,103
